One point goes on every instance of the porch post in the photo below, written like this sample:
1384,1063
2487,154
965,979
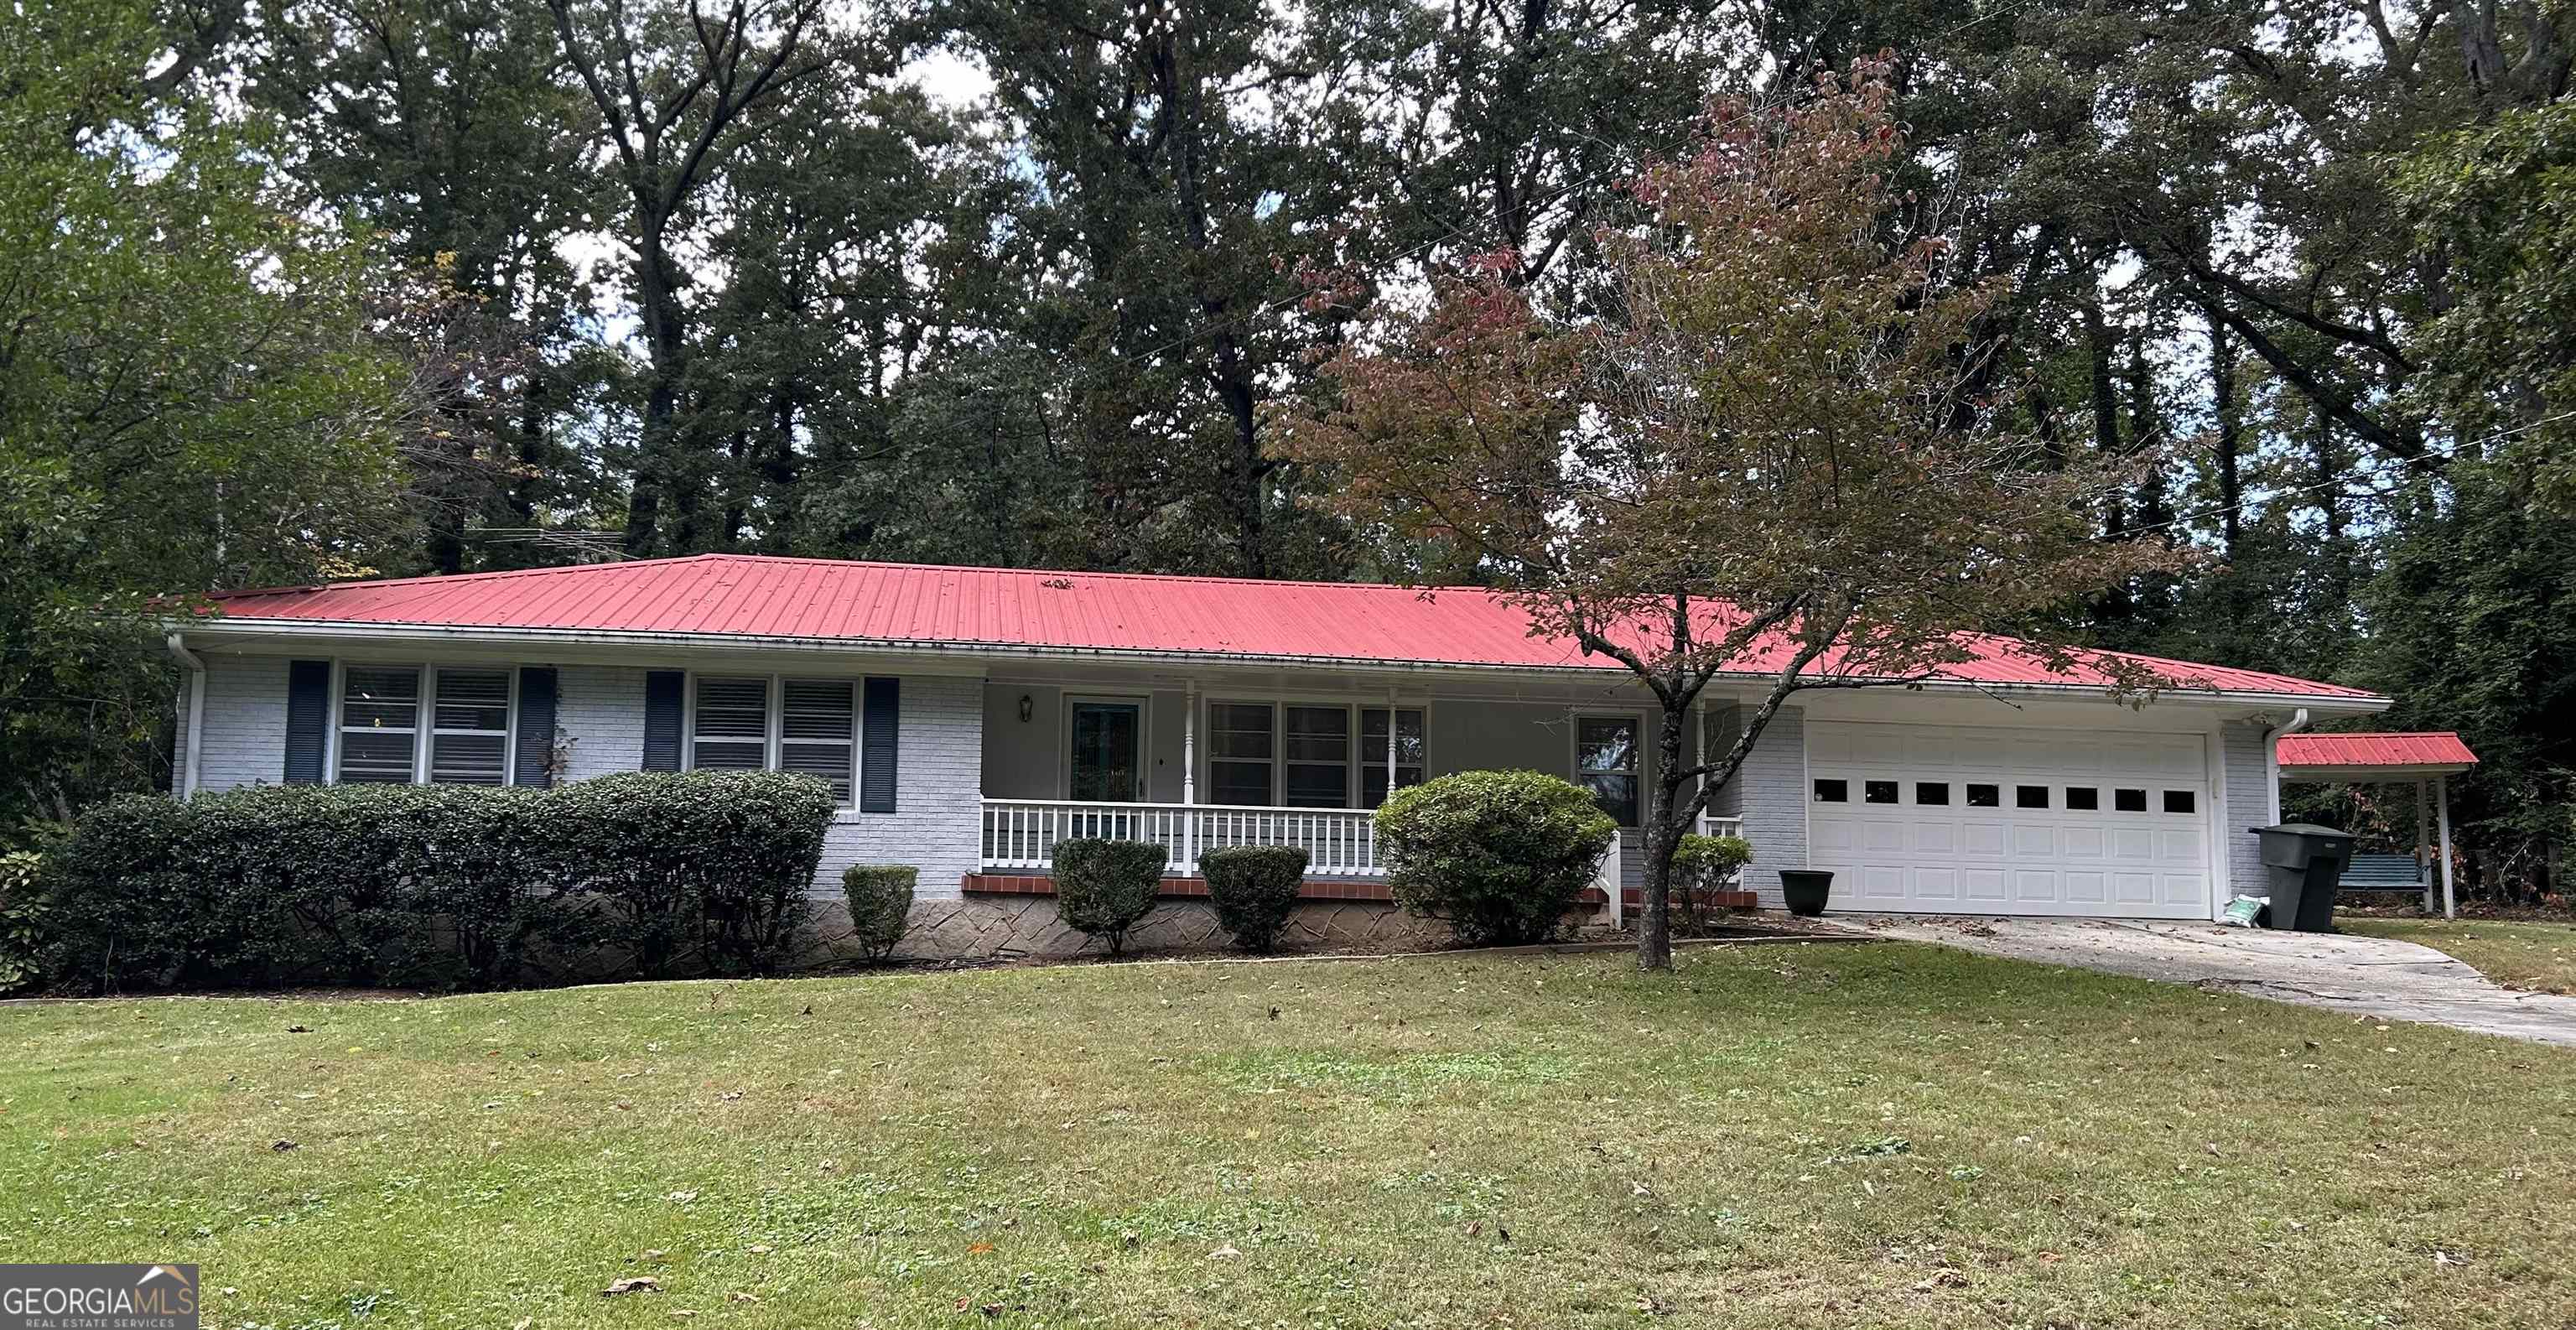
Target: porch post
1189,776
1699,754
1390,743
2424,838
2442,813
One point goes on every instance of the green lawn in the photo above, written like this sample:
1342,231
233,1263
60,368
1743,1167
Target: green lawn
2539,957
1819,1135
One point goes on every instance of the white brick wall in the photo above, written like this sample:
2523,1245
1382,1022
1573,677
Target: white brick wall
2247,779
599,727
937,825
1772,795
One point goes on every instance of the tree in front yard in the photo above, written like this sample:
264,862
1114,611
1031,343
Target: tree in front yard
1765,443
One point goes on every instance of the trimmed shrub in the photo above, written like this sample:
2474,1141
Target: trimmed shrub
1702,866
706,865
880,898
1501,856
437,885
1253,887
26,932
1103,887
360,884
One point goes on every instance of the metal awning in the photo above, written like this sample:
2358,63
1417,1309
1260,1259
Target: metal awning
2331,758
2423,760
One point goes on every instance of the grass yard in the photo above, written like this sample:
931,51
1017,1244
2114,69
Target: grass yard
2538,957
1819,1135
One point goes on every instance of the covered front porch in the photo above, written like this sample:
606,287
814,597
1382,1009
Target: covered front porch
1200,763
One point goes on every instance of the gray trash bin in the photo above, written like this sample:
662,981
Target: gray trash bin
2306,862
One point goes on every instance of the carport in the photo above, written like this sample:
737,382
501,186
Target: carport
2426,761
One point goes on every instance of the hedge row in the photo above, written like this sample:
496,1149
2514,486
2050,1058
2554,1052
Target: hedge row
646,874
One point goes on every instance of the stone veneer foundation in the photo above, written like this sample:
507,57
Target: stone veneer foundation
1006,926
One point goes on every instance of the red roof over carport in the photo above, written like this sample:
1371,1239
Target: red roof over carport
2373,756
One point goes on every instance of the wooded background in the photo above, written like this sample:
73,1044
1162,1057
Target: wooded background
352,287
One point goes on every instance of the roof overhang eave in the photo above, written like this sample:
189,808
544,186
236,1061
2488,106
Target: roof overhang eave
245,628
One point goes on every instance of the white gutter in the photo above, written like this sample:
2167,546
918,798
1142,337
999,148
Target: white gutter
186,783
2272,755
252,629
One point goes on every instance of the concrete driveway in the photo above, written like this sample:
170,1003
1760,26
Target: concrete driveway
2358,975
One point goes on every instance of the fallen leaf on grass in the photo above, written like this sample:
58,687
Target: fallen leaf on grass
739,1296
758,1249
1940,1279
1226,1252
979,1249
631,1284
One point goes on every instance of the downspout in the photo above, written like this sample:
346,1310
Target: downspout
2272,755
186,784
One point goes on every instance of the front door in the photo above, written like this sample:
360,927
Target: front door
1108,752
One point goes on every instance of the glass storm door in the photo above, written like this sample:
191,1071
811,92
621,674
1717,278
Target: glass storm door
1108,751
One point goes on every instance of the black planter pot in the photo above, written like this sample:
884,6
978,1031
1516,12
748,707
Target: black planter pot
1804,889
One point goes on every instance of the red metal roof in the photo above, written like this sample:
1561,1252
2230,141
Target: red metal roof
752,597
2437,749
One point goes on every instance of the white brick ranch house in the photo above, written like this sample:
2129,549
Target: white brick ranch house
969,717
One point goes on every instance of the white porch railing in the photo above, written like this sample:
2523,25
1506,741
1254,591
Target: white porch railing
1022,833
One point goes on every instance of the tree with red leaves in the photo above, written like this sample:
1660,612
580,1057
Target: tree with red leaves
1752,451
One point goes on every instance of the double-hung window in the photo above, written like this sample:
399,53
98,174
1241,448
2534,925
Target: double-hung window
1318,769
469,737
807,727
379,724
1605,762
443,724
729,729
1241,750
818,731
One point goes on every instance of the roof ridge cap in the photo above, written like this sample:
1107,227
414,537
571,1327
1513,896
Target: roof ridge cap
485,575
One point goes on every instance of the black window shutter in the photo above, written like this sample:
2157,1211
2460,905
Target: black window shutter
663,690
536,750
881,716
308,719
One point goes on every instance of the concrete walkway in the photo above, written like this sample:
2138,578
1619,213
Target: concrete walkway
2340,972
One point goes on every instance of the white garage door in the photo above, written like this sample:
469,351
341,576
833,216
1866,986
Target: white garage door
1961,820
